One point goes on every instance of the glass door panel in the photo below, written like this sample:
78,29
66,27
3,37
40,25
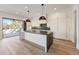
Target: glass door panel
11,27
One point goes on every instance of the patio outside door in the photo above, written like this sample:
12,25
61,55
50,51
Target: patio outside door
11,27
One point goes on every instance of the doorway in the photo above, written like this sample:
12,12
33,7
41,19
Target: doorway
11,27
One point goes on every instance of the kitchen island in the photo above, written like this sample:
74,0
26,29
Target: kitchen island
42,38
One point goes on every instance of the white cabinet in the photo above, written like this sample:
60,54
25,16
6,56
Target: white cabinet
37,39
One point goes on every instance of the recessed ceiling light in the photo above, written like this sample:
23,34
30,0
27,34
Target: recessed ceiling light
25,6
55,8
16,12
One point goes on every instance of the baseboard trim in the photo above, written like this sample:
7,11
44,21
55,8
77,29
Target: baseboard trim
62,39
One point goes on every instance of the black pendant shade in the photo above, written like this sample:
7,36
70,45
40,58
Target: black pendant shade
42,18
28,20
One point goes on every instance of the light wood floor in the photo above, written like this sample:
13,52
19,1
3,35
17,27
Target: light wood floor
21,47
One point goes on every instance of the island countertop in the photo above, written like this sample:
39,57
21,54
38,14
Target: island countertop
40,32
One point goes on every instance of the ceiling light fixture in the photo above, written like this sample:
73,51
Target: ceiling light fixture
16,12
28,20
55,8
25,6
42,18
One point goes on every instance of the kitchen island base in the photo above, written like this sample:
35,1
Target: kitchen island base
42,39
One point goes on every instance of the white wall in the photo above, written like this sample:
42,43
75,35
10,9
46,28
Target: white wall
77,28
35,21
62,24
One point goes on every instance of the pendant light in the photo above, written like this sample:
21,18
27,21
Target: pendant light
28,23
42,19
28,20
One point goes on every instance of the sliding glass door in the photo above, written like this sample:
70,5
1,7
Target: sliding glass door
11,27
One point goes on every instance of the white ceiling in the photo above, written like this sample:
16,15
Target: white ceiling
35,9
